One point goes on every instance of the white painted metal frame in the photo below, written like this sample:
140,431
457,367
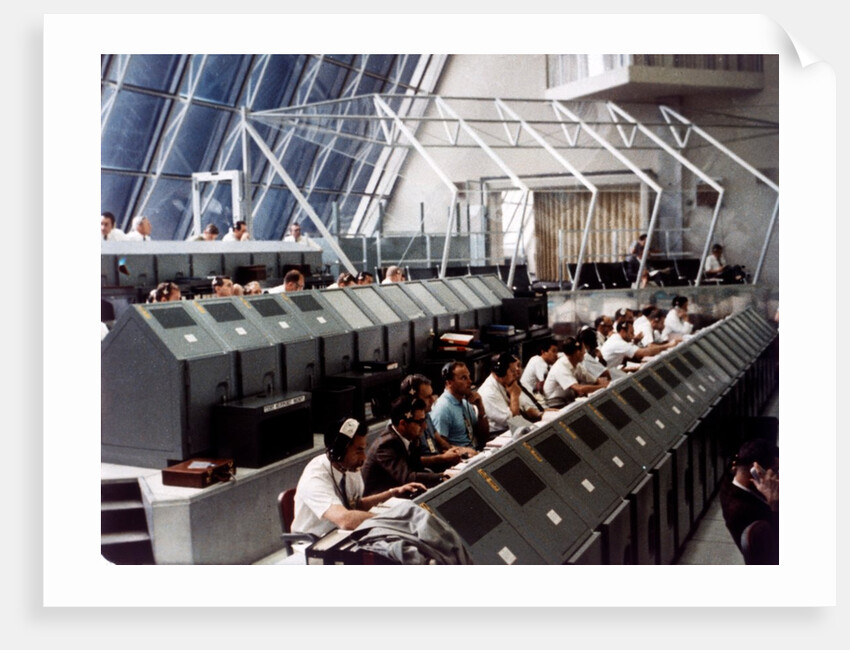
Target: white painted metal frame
232,176
385,108
594,191
563,110
441,103
305,205
668,113
615,110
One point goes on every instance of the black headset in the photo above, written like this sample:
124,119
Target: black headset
448,370
410,384
348,429
502,363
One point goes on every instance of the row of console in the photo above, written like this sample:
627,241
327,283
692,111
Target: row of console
623,476
183,379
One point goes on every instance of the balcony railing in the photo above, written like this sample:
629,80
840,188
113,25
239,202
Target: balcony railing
566,68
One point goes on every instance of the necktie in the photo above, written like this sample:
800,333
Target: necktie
343,492
531,397
105,238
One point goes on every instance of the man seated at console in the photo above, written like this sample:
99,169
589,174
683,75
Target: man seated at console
292,281
459,413
538,366
677,322
437,453
503,394
568,379
621,348
394,458
650,325
330,492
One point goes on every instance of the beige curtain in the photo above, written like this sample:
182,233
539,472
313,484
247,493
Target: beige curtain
617,221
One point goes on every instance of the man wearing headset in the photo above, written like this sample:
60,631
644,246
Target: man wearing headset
503,395
569,379
438,454
394,458
329,493
459,413
677,322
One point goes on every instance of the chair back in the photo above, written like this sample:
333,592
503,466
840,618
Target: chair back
286,509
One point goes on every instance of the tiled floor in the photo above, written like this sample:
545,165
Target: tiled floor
711,542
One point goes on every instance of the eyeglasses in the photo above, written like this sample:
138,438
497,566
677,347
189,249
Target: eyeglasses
419,421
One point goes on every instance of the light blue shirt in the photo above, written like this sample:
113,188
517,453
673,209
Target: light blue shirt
454,419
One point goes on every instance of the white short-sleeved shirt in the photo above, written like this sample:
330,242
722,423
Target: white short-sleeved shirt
642,324
317,490
115,235
616,350
497,404
674,325
714,264
535,370
561,376
135,235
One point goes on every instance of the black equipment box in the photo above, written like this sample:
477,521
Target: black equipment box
258,431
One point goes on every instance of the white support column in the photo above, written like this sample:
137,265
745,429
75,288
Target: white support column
594,191
385,108
615,110
305,205
637,171
669,112
245,203
510,173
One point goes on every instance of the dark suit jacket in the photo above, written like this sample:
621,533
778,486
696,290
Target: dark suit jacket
740,509
389,465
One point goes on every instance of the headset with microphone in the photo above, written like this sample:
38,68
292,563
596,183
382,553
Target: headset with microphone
448,371
349,428
410,384
502,363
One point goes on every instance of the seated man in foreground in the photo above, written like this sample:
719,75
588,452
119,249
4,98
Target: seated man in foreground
330,491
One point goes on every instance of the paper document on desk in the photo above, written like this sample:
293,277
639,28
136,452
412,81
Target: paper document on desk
593,367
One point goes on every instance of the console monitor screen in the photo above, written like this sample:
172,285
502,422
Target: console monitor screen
378,306
683,368
692,359
481,287
347,308
634,399
588,431
447,297
267,307
613,413
557,453
421,293
471,298
469,515
173,317
403,301
655,389
305,302
519,480
223,312
667,375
